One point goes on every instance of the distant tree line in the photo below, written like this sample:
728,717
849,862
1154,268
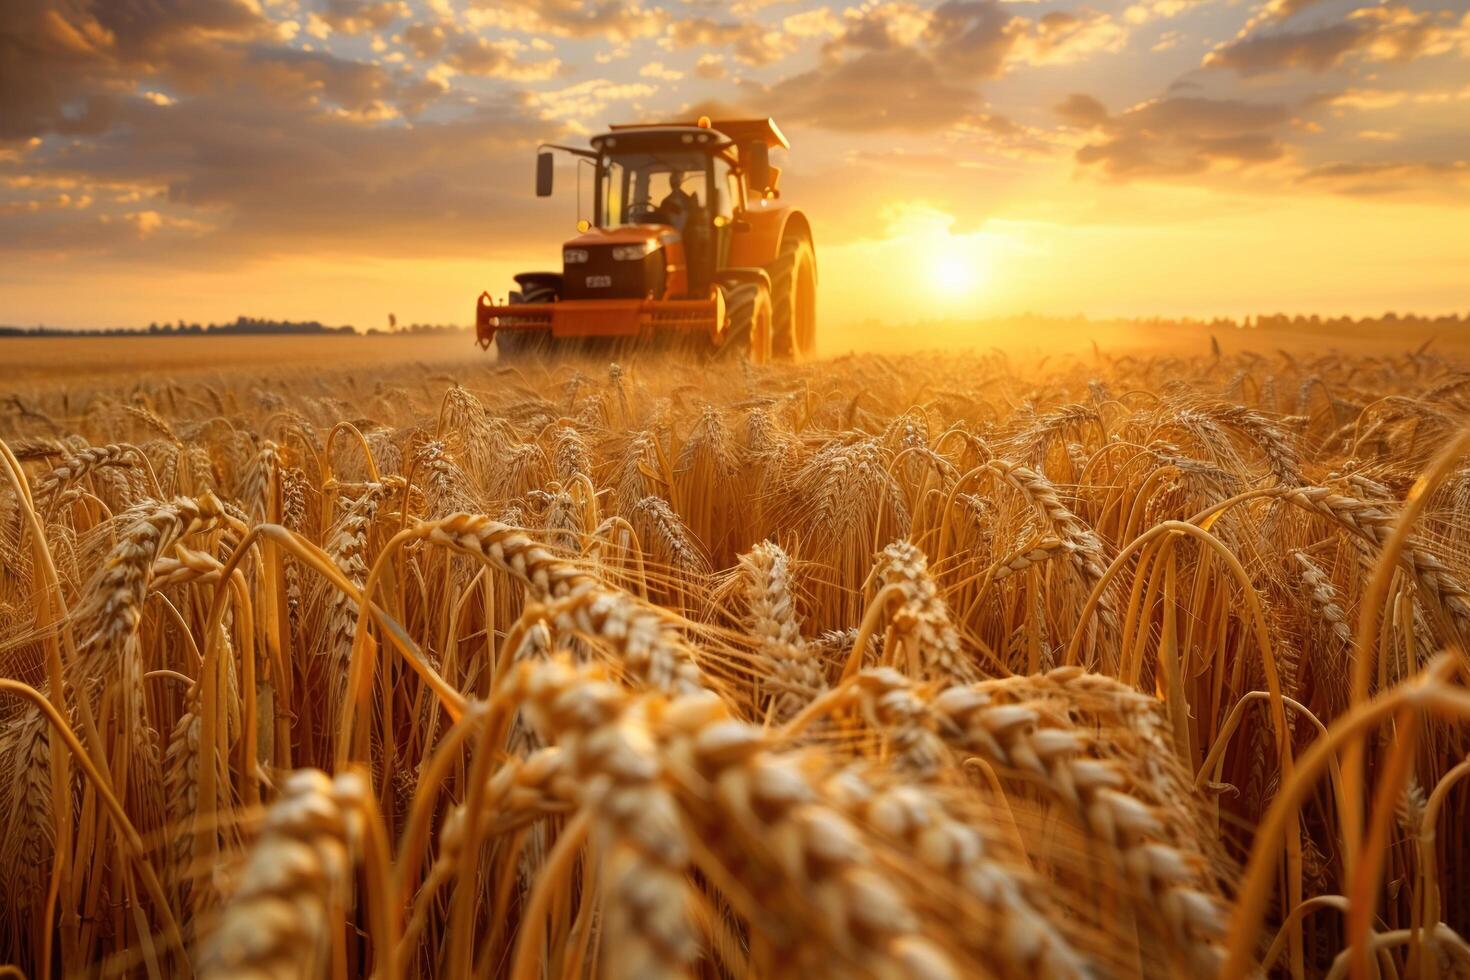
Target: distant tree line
1314,322
240,325
1260,321
417,330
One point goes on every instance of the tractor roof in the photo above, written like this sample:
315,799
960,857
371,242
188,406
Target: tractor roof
641,138
739,130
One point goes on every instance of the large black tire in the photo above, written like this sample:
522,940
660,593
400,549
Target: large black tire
513,344
794,300
748,322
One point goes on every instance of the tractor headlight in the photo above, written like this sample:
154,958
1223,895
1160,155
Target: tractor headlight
574,256
630,253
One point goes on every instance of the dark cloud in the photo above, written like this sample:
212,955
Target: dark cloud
477,56
1383,33
892,69
973,37
1314,50
209,134
289,77
319,182
968,39
426,40
144,27
899,67
1382,178
51,55
1082,111
899,89
1177,136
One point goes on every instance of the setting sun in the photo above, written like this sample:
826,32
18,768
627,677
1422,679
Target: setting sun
953,273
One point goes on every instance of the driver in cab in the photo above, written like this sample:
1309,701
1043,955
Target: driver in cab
679,204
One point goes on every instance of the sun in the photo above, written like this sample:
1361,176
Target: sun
952,272
954,266
950,265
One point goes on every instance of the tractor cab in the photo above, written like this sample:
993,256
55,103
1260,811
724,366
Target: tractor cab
666,201
679,186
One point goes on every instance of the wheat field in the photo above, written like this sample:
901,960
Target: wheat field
924,666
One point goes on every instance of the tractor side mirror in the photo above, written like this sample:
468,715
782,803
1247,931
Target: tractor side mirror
543,173
758,167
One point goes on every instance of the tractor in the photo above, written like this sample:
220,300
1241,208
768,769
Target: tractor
689,243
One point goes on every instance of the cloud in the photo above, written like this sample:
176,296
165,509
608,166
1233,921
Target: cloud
1177,135
228,179
750,41
1388,32
814,23
611,19
1082,111
898,89
902,67
46,61
586,101
497,59
1382,178
290,77
1144,11
143,27
428,40
210,136
660,71
1370,99
973,37
1060,38
68,68
897,67
361,16
710,66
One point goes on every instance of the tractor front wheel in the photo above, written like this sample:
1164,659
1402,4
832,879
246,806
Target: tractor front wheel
748,322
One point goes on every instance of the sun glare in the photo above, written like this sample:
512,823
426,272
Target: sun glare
952,273
950,264
954,266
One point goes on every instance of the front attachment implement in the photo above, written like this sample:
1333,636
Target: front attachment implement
633,319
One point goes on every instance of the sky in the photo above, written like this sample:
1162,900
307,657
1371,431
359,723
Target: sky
342,160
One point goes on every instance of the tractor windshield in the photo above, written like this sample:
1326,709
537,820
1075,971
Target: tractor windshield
666,188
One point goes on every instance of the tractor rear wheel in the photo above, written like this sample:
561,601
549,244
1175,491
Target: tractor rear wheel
794,300
511,344
749,321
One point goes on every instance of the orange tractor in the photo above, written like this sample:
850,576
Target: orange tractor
689,241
